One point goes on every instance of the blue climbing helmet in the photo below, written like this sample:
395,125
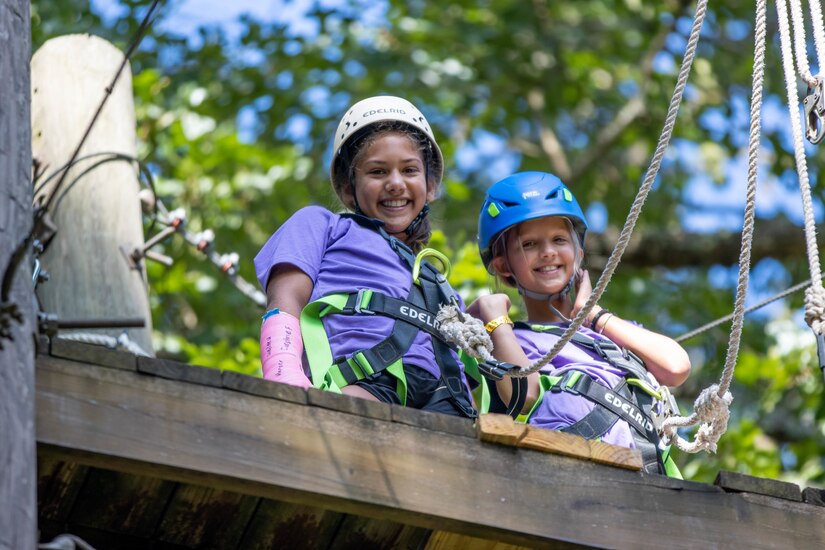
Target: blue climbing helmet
521,197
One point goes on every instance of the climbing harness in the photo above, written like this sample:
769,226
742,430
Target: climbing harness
417,313
635,399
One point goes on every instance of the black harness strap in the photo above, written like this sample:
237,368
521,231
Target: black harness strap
621,402
421,306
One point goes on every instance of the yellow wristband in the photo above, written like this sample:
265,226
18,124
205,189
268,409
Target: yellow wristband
497,322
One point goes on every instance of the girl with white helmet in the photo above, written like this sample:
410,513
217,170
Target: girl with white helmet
366,329
605,383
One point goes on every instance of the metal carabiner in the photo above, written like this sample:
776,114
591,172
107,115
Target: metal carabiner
814,104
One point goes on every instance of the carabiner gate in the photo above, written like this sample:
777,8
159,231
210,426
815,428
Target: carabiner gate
814,104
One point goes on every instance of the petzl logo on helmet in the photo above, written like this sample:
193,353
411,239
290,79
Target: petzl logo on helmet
530,194
389,111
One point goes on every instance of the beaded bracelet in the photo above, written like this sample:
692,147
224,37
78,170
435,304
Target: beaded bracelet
596,318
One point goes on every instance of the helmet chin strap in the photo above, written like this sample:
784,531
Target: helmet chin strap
418,219
550,298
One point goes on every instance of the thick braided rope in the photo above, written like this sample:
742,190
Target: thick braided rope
819,31
800,44
711,407
465,331
641,196
122,342
815,296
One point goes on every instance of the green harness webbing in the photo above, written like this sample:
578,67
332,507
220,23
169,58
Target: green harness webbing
418,312
631,400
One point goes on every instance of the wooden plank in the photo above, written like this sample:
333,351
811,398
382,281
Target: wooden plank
203,517
550,441
174,370
391,471
812,495
121,503
349,404
58,484
360,532
614,455
454,425
264,388
500,428
90,353
444,540
733,481
284,525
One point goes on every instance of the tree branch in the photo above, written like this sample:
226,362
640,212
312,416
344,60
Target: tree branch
774,238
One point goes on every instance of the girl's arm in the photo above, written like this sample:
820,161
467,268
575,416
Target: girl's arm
663,356
282,347
506,346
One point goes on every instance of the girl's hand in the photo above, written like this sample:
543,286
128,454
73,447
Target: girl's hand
583,291
489,307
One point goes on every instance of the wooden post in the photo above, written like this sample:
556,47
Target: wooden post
18,497
99,219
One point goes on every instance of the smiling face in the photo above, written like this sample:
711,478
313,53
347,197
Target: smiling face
541,255
391,182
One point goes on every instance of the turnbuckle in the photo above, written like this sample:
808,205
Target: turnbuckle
814,104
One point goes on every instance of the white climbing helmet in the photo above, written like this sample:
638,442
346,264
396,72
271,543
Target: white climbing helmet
378,109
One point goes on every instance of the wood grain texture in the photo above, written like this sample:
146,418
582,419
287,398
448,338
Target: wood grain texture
90,275
388,471
500,428
18,512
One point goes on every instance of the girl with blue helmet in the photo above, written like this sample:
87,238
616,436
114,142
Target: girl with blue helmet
531,236
344,314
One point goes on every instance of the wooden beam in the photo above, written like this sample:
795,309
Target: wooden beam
18,503
362,465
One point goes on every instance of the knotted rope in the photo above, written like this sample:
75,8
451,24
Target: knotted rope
465,331
710,409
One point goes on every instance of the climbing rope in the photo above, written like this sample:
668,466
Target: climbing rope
641,196
711,408
122,342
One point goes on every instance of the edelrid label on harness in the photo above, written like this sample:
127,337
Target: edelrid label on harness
419,315
630,410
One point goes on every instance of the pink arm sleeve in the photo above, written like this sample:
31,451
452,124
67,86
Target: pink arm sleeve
281,350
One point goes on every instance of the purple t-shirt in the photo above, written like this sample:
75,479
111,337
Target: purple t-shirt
341,256
561,409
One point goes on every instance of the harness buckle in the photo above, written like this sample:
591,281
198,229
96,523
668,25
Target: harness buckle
564,384
814,104
495,370
357,307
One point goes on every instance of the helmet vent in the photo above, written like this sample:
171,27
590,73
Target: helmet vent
552,195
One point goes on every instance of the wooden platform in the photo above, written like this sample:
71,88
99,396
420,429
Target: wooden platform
144,453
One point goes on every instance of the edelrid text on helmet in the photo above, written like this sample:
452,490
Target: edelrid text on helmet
521,197
374,110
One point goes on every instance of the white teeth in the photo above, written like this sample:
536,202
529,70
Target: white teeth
547,269
393,204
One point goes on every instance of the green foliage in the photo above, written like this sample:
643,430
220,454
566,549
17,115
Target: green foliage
217,120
